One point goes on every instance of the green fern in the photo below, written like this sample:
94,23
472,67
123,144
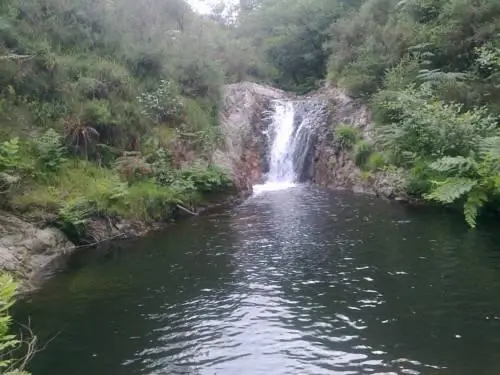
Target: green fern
7,340
490,147
451,189
433,76
457,165
74,215
475,200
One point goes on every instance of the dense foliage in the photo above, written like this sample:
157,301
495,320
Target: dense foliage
110,107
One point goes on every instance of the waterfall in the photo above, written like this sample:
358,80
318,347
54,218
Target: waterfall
281,159
290,138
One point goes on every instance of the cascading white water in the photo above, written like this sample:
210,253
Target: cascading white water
289,146
281,163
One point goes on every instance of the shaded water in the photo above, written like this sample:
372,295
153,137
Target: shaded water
296,281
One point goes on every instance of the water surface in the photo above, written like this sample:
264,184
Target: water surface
295,281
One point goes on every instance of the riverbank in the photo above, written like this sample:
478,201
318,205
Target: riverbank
32,251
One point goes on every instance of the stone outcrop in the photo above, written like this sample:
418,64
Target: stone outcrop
243,124
29,252
245,120
335,168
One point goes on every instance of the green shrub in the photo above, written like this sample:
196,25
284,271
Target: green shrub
362,152
476,181
206,179
163,104
94,77
12,166
430,128
10,158
49,151
96,112
375,162
76,180
73,216
346,137
133,166
196,117
418,182
8,341
148,201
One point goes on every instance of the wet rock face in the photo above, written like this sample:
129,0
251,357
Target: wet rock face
334,168
28,251
244,121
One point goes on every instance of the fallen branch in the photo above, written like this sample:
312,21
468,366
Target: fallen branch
100,242
16,57
186,210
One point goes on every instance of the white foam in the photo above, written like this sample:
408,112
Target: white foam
272,186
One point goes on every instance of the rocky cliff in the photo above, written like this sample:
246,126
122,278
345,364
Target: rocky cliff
27,251
245,120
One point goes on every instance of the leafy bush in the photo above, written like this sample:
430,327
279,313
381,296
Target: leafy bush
345,137
10,162
429,128
133,166
206,179
73,216
375,162
163,104
96,112
146,200
49,151
82,179
362,152
476,181
8,341
419,180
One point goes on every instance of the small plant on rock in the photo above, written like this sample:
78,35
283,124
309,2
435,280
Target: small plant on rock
362,152
345,137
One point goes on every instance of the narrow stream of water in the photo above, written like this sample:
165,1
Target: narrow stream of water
296,281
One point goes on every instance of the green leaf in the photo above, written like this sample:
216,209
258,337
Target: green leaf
490,147
453,165
451,189
475,200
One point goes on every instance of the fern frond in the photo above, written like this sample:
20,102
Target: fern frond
451,189
490,147
475,200
389,135
436,75
456,165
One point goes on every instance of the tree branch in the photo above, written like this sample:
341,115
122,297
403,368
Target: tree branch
16,57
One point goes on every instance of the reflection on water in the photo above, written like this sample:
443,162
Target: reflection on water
295,281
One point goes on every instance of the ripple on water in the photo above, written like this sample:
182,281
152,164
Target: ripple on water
294,281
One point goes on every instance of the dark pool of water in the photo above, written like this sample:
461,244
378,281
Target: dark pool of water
296,281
